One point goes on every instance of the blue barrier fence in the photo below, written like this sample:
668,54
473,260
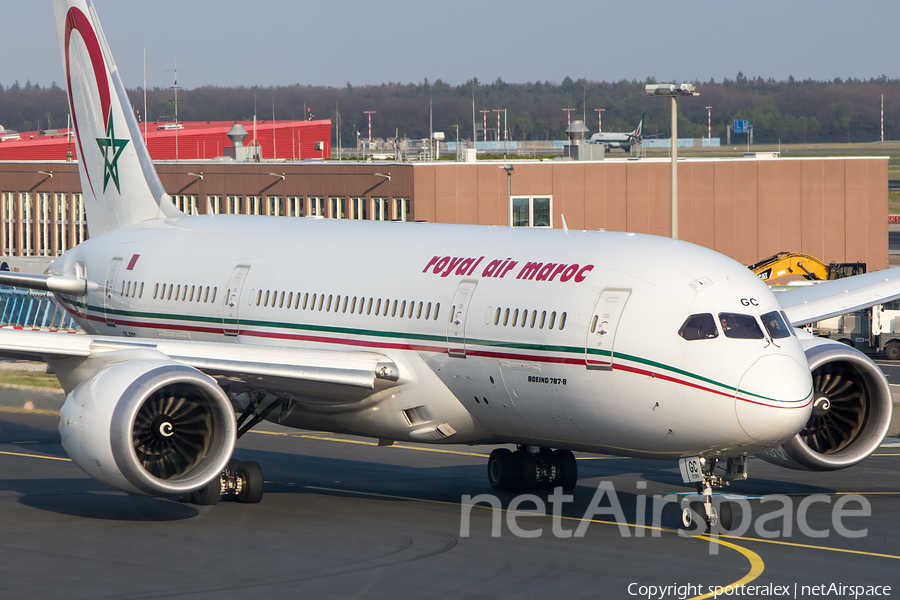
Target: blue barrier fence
32,309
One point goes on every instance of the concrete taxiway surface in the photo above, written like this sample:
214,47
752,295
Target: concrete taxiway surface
344,518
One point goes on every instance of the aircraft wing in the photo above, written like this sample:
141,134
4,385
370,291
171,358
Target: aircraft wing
316,375
840,296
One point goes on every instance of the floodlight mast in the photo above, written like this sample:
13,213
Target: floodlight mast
670,90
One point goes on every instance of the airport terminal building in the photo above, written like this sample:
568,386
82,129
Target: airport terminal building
747,208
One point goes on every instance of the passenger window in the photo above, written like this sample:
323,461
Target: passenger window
369,307
552,320
419,312
281,300
155,289
562,321
213,299
506,317
524,317
594,324
543,318
394,309
741,327
352,306
775,325
427,310
515,317
191,299
437,309
169,297
698,327
533,318
497,317
306,300
141,293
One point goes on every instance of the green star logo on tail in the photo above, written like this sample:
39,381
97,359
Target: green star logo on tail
111,146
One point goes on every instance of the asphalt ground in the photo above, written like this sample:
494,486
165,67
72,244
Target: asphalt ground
342,518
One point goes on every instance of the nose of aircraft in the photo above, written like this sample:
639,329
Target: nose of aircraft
774,398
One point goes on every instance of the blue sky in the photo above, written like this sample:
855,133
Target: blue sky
282,42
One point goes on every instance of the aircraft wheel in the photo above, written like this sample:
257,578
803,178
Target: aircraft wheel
524,468
500,469
892,351
250,474
209,494
693,517
726,516
568,469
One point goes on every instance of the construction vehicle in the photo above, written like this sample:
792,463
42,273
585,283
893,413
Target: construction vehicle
792,266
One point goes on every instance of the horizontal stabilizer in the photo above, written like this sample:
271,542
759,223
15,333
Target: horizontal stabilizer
840,296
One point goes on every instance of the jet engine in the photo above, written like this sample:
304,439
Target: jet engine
851,413
149,426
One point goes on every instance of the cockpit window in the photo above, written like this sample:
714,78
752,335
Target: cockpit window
742,327
699,327
775,325
788,321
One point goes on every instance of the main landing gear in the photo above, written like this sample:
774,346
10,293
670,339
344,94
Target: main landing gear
241,481
721,513
530,466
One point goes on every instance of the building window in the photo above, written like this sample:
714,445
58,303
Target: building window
381,209
274,206
27,222
81,220
338,206
254,205
234,205
214,204
316,206
294,206
530,211
62,223
186,203
43,231
359,208
9,222
401,209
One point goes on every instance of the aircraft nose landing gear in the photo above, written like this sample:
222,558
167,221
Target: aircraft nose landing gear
529,466
713,514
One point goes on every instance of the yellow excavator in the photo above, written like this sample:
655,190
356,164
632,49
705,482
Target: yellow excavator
791,266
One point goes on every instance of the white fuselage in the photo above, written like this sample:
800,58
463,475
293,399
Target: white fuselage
497,349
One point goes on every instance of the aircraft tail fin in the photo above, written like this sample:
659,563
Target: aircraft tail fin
639,130
118,181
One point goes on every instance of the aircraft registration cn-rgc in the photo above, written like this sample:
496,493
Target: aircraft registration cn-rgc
200,327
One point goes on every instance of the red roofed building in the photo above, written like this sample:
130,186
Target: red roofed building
195,140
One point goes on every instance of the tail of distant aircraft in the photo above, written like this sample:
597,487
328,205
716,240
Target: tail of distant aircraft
638,131
118,180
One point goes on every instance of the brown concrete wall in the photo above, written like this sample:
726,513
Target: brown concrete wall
832,208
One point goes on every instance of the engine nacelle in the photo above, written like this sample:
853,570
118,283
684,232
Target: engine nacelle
149,425
851,413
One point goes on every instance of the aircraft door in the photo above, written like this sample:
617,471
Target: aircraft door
601,335
459,308
109,291
230,311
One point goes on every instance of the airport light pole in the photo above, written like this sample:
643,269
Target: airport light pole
599,112
509,171
709,123
670,90
568,115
